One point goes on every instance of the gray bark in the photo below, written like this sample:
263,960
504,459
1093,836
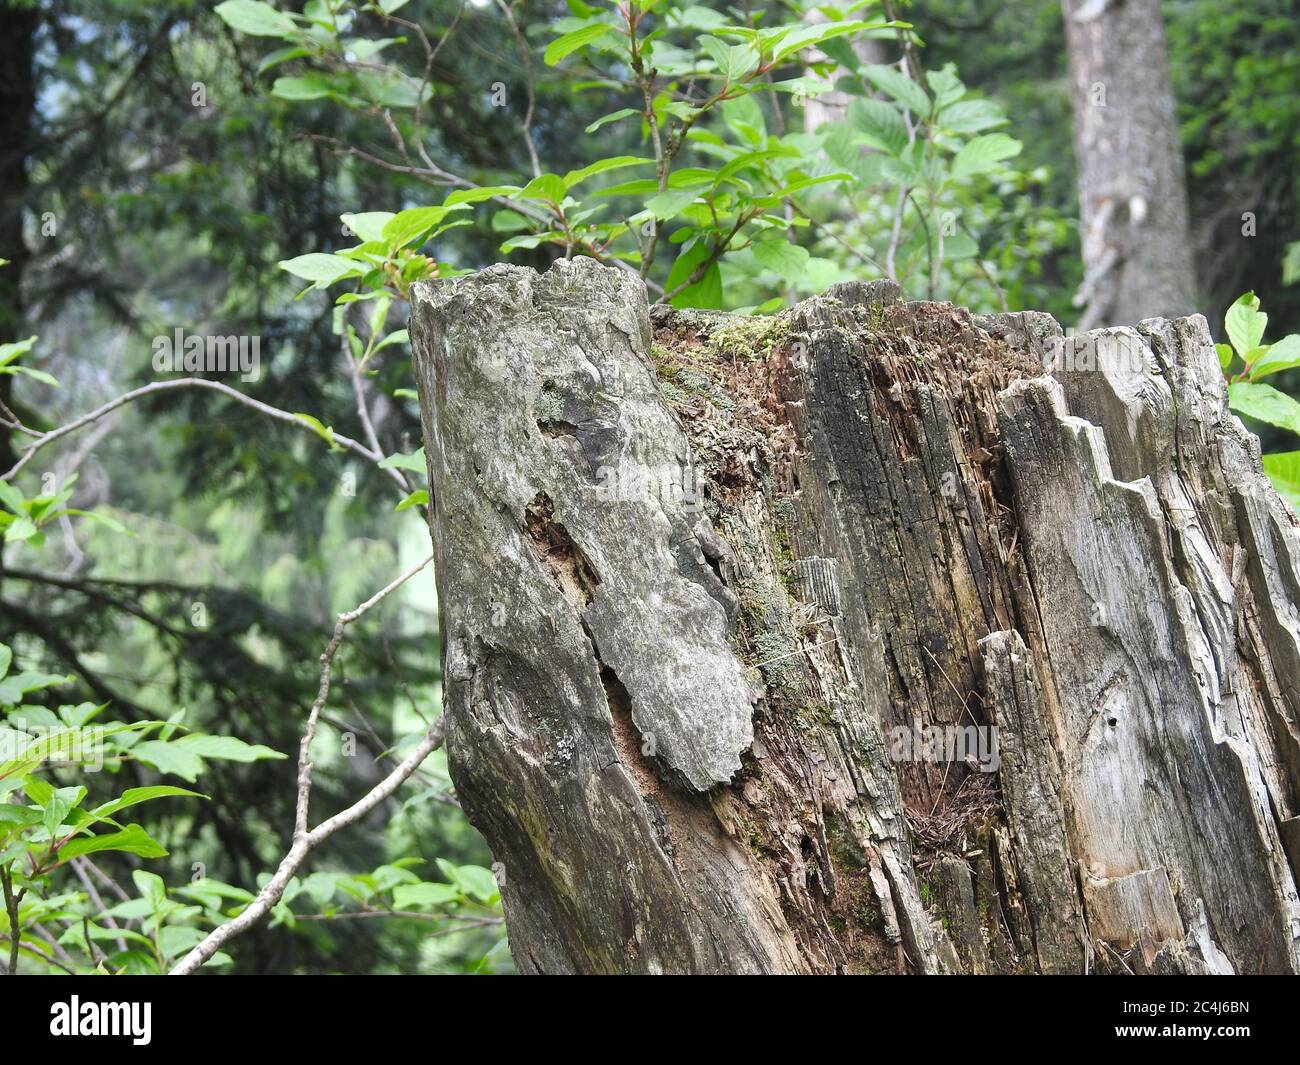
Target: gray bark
1137,252
699,575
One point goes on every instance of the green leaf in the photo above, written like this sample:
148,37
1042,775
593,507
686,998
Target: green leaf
618,162
369,225
255,18
389,6
151,888
362,48
169,758
1283,355
95,517
971,116
984,153
321,268
705,293
281,55
1291,264
549,187
807,36
782,257
206,887
666,205
526,240
397,461
902,88
407,227
1265,403
700,18
133,839
325,432
397,336
15,348
945,87
483,192
960,246
62,801
311,86
734,61
134,796
508,221
1225,354
23,528
808,182
6,659
473,880
12,498
613,116
880,124
1245,323
571,42
391,88
177,939
16,816
225,748
38,790
416,896
1283,469
39,375
418,498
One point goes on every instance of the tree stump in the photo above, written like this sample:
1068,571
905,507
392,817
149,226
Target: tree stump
871,637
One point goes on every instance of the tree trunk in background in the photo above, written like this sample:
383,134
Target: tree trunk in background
832,105
1137,253
707,583
17,99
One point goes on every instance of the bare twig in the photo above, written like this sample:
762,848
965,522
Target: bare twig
323,691
346,443
274,889
896,235
304,841
80,869
11,909
524,54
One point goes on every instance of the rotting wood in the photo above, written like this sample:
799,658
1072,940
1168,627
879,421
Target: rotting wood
701,574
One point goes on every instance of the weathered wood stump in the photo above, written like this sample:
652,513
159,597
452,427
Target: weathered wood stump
872,637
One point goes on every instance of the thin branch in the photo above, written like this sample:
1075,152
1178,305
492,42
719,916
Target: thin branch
12,421
896,235
717,253
326,672
29,949
355,372
11,909
305,841
346,443
274,889
529,87
96,898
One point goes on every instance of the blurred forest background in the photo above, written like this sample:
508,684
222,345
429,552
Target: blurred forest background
149,180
